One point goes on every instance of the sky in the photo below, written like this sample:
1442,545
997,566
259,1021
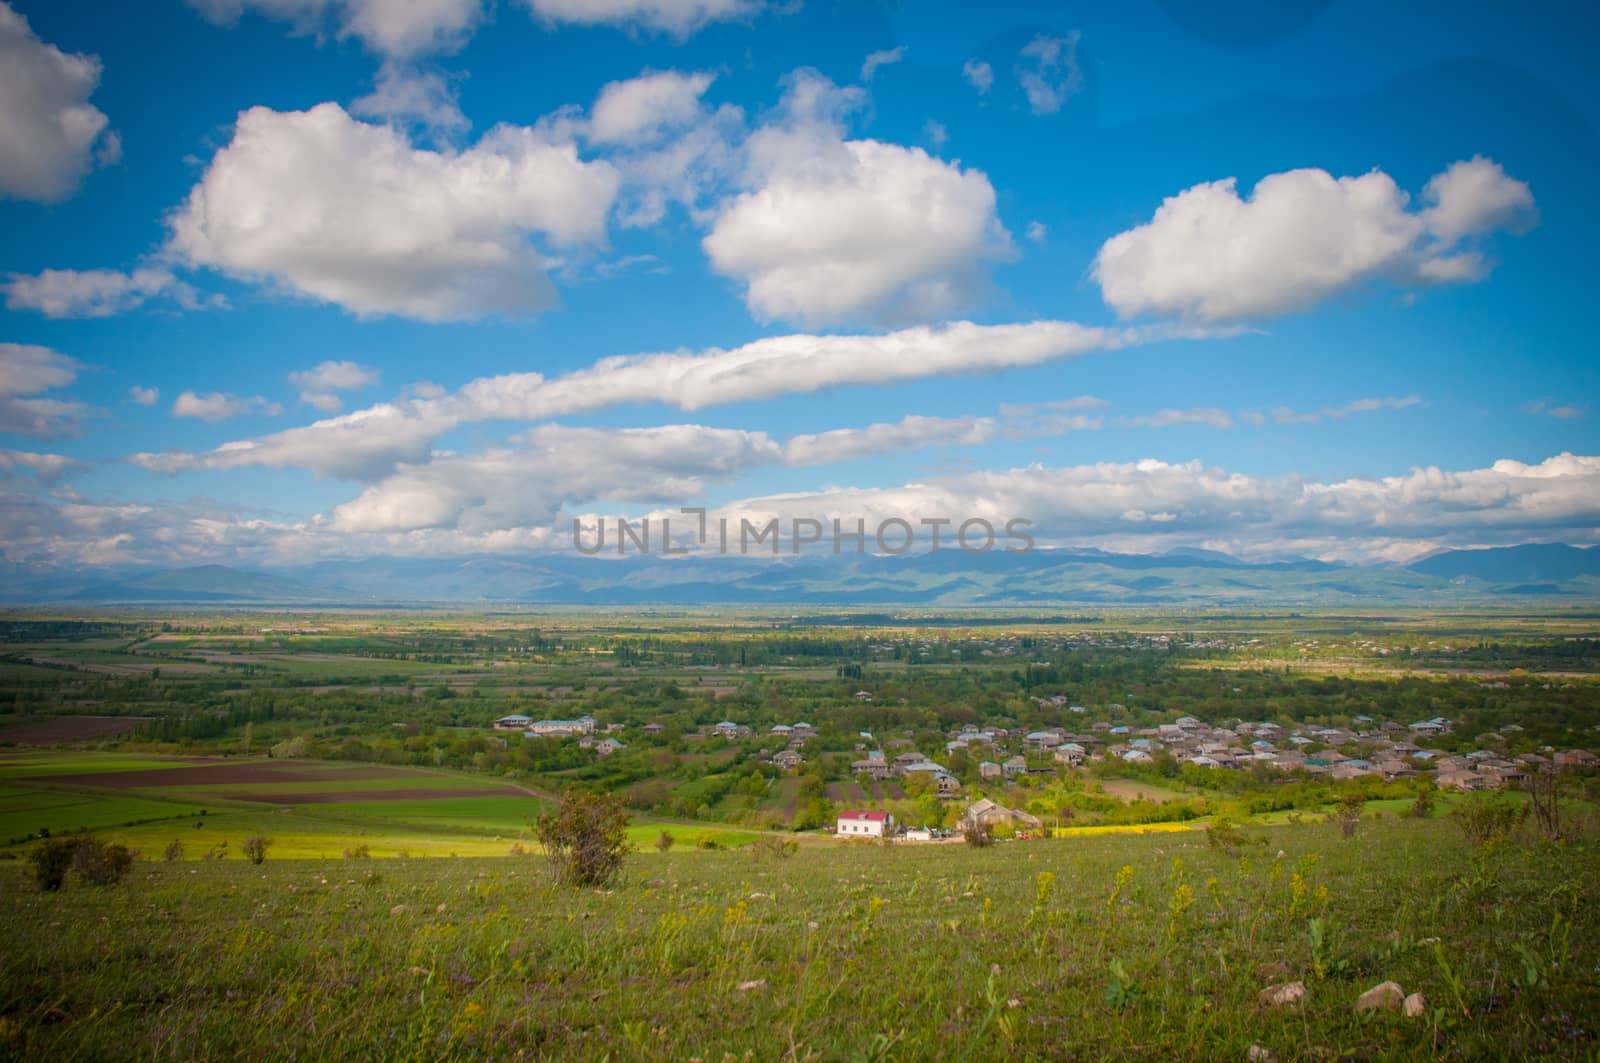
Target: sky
295,280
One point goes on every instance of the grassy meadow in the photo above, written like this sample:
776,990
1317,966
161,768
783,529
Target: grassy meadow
1112,946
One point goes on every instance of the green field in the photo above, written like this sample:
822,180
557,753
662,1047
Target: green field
1116,946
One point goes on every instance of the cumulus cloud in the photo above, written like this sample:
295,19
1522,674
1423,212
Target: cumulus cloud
354,214
49,131
99,292
27,370
46,468
1302,237
553,467
678,18
398,29
875,61
143,396
979,75
216,407
1047,70
847,444
367,444
835,230
317,385
1477,196
407,95
644,108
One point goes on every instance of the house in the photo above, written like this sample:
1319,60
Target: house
863,695
864,824
873,768
989,770
583,725
607,746
514,722
991,814
652,728
1576,758
946,785
1015,766
1070,753
787,759
729,729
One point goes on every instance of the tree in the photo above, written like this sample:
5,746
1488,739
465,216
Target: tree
586,838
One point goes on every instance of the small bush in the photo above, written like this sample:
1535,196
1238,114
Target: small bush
708,842
101,863
978,835
665,841
359,852
1483,817
98,863
1422,806
586,838
775,847
51,862
1225,834
255,848
1348,815
174,851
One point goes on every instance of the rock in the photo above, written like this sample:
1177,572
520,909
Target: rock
1416,1006
1283,995
747,987
1257,1054
1385,997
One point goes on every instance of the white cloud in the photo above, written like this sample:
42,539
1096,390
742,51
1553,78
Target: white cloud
27,370
99,292
398,29
847,444
367,444
676,17
143,396
1477,196
48,127
1048,72
46,468
1285,415
848,230
1037,231
1207,417
1302,237
979,75
354,214
935,134
643,109
215,407
555,466
317,385
875,61
1560,411
407,95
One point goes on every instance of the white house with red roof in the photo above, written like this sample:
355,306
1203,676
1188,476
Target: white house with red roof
864,824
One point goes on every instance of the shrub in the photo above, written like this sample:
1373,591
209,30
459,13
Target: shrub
1225,834
51,861
1422,807
708,842
586,838
101,863
174,851
255,848
775,847
665,841
978,835
97,862
1348,815
1483,817
360,852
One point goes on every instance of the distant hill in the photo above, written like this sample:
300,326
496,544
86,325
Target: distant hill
949,578
1530,564
203,583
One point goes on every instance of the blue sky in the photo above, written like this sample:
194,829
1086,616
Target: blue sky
1274,279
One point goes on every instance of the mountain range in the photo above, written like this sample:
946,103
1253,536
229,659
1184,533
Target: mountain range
1183,577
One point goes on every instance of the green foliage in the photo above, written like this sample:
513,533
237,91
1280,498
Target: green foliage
1488,817
977,835
664,841
586,838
